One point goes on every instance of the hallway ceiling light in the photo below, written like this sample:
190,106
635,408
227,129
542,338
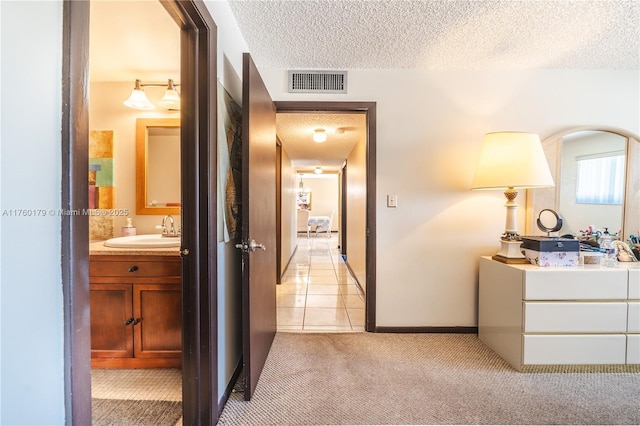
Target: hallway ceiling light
318,170
319,136
139,100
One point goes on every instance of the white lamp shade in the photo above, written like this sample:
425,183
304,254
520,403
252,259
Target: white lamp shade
512,160
138,100
170,100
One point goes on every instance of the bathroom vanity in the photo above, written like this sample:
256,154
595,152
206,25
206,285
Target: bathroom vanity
136,307
584,315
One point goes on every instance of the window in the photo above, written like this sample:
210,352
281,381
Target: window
600,178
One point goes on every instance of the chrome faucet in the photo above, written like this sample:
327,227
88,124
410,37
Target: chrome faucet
169,231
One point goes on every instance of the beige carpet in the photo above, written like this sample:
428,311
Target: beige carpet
365,378
125,412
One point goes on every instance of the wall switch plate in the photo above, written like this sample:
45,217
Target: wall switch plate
392,201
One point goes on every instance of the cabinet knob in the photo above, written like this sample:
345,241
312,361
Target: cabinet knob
136,321
128,322
133,268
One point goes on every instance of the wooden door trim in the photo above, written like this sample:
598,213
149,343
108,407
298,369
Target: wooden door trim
370,109
75,229
198,71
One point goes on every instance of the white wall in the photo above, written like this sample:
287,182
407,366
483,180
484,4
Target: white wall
430,126
288,220
231,45
31,356
324,195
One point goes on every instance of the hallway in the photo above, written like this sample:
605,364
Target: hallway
317,292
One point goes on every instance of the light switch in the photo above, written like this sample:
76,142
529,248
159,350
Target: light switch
392,201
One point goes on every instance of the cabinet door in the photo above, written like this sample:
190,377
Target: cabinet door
158,313
111,316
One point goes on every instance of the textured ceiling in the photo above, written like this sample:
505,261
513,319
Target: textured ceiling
138,39
441,34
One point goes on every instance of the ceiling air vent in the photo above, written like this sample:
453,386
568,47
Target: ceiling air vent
317,82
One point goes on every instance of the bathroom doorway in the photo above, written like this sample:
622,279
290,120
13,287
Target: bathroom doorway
199,378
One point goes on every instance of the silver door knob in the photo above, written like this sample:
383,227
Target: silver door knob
253,246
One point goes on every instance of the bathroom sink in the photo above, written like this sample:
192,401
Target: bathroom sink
143,241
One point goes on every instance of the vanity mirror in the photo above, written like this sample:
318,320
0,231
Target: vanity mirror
158,166
597,175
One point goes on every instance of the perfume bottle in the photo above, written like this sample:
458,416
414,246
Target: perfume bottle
128,229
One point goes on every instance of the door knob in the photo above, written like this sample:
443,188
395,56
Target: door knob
250,246
253,246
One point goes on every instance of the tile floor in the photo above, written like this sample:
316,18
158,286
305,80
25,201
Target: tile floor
317,292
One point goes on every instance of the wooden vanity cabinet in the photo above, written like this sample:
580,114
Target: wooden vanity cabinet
136,311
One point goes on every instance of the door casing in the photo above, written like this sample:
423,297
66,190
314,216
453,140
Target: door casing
370,109
198,149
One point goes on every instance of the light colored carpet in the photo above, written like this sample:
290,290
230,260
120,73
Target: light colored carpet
366,378
126,412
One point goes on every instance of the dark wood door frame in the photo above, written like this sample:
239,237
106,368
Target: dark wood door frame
370,109
198,152
343,210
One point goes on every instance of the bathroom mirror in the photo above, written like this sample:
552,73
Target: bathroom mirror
597,175
158,166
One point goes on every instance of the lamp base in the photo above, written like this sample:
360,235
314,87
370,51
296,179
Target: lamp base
510,252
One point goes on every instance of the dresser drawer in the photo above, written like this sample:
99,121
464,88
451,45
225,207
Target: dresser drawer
633,324
633,349
575,317
634,284
575,349
135,268
575,284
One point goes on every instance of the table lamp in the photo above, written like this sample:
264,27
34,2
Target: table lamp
511,161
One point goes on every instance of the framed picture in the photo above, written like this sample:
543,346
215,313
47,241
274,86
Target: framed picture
623,252
304,200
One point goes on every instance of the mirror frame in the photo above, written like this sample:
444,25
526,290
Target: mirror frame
142,124
549,198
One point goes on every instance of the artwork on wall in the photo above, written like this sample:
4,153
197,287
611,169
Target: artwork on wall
101,191
229,163
303,200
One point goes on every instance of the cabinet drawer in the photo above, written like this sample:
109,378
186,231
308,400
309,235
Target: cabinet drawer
575,284
575,317
633,349
634,284
575,349
633,325
135,268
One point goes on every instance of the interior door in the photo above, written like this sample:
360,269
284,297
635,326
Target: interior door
258,224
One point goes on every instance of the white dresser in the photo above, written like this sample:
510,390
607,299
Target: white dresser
584,315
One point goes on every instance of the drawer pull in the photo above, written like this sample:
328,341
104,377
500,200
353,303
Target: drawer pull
128,322
133,268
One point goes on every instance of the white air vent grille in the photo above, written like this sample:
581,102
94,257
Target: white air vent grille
317,82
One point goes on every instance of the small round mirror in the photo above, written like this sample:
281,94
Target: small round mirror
549,221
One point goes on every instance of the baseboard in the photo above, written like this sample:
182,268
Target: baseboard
229,388
295,249
346,263
451,330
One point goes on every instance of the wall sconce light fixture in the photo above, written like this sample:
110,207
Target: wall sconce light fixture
319,135
139,99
